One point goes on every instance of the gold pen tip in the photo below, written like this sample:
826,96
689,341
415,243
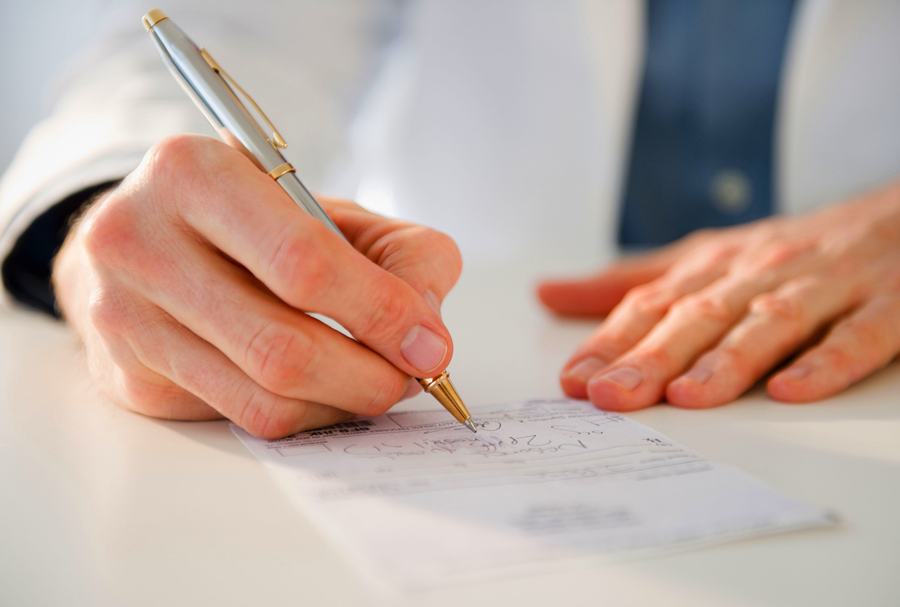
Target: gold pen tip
468,424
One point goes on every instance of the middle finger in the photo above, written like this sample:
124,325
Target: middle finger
282,349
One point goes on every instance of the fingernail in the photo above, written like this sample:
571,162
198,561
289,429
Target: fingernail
412,389
432,300
586,369
698,375
423,349
796,373
626,377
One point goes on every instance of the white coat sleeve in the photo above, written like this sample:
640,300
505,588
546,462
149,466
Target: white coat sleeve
307,69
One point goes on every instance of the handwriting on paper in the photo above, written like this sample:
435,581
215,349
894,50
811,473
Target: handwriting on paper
421,500
537,442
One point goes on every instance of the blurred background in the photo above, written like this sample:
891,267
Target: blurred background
505,123
42,40
39,39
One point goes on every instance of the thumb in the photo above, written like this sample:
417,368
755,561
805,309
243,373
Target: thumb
597,295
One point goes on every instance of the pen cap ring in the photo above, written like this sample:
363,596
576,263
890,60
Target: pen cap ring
152,17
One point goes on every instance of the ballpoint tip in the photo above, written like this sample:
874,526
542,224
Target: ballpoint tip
468,424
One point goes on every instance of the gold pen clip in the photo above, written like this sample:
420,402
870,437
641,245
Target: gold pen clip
277,141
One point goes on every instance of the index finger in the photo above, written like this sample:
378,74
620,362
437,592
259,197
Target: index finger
247,216
423,258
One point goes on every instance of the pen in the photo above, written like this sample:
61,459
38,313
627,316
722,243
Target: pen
207,84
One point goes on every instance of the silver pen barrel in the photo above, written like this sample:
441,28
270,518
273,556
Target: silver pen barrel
207,84
204,82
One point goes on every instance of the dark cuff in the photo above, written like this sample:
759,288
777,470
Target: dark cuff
26,271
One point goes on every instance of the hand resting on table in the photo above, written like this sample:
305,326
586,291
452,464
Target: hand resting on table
699,322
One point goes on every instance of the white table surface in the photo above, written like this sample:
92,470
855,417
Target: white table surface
103,507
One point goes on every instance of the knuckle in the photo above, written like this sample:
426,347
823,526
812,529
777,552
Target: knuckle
299,265
387,393
185,175
647,300
420,244
255,414
610,343
175,154
108,232
718,252
740,362
451,258
837,358
657,356
867,336
278,358
146,397
778,308
388,314
261,415
777,254
105,314
180,164
712,307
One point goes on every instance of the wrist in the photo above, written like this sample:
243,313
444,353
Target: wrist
27,268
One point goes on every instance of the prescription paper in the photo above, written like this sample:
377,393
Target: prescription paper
418,500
